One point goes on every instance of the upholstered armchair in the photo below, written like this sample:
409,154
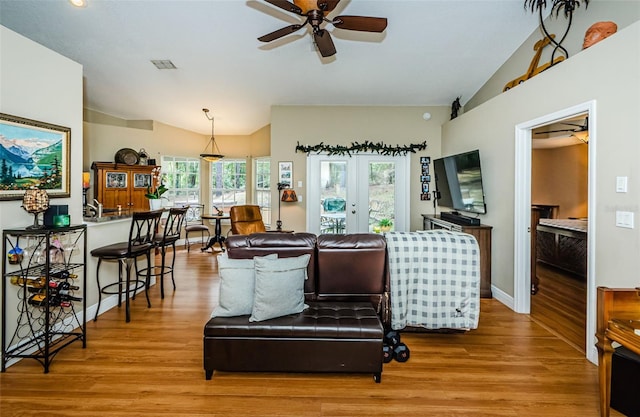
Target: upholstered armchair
246,219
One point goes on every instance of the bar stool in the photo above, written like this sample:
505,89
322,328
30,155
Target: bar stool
141,235
169,236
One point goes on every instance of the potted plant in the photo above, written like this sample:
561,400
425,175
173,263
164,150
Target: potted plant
156,189
385,224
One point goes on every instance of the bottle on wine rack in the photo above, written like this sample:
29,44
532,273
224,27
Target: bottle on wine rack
63,275
30,282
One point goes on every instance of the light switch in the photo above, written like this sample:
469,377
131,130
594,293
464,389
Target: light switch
624,219
299,198
621,184
299,184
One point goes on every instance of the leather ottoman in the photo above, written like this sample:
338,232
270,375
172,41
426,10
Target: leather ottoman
326,337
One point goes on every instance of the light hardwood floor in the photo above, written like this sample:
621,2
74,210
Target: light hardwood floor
509,366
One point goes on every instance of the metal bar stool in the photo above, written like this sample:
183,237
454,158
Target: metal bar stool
141,235
169,236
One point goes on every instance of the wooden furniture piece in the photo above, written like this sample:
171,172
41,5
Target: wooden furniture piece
217,235
538,211
121,185
46,292
482,233
562,243
618,321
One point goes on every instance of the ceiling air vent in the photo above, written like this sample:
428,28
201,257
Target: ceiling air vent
163,64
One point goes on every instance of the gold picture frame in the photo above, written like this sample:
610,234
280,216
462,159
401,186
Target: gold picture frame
33,155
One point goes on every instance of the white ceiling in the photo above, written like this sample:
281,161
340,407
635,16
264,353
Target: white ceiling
430,53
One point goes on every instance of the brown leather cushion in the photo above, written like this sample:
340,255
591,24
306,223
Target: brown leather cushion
353,264
246,219
336,320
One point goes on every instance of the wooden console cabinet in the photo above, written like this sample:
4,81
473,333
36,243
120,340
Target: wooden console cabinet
121,185
482,233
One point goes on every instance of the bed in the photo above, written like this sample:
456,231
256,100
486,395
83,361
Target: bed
562,243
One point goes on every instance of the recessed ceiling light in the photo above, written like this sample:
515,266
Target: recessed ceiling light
79,3
163,64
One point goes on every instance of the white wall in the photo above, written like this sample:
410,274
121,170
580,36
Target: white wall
310,125
623,13
37,83
607,73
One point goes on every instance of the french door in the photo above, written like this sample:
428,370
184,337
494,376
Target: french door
351,194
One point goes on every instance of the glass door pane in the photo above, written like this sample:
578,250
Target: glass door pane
333,196
381,193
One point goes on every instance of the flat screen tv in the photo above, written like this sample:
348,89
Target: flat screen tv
459,182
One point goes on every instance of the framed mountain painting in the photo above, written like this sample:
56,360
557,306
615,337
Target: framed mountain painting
33,155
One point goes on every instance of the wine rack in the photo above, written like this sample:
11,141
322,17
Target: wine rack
43,283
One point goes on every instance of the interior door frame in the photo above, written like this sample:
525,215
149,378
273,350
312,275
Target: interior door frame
402,187
522,215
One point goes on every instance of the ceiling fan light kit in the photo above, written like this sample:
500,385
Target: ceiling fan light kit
315,12
211,156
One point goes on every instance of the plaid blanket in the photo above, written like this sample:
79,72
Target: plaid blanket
435,279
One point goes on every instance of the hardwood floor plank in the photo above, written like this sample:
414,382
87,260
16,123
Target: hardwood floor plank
510,366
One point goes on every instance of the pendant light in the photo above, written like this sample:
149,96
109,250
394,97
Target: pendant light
215,154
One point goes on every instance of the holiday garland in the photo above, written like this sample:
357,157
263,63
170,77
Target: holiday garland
366,146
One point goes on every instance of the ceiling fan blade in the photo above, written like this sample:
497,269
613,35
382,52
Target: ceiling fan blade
555,131
285,5
361,23
279,33
324,43
327,5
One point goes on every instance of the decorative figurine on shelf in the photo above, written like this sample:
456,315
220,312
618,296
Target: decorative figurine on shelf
597,32
35,201
455,108
143,158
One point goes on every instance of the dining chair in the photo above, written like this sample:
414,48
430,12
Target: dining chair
194,223
141,236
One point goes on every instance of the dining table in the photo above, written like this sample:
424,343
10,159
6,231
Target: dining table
217,235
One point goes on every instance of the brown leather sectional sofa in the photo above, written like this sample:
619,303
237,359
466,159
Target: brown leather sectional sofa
341,331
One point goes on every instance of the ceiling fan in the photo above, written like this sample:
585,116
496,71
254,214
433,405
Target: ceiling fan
580,128
315,12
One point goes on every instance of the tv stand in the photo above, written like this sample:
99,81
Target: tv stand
481,232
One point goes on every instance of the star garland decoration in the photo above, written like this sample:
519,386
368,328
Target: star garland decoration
366,146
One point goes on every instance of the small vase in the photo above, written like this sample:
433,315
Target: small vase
155,204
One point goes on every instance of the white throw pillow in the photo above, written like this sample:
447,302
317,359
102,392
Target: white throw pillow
237,282
279,289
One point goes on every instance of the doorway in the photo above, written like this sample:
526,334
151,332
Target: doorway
351,194
559,217
522,213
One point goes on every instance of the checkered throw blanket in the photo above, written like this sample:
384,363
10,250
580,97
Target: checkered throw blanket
435,279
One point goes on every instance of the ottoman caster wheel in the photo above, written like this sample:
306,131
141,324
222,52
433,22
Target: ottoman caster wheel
377,377
392,338
387,353
401,353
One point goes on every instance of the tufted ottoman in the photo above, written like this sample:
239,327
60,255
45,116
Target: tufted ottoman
327,337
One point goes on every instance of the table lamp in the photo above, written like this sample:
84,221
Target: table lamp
86,182
288,196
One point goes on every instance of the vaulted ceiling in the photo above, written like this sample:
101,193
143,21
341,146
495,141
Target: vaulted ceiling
430,53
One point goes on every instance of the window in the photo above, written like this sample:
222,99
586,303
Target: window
182,178
228,183
263,188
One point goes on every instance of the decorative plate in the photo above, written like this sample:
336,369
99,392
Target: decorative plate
127,156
